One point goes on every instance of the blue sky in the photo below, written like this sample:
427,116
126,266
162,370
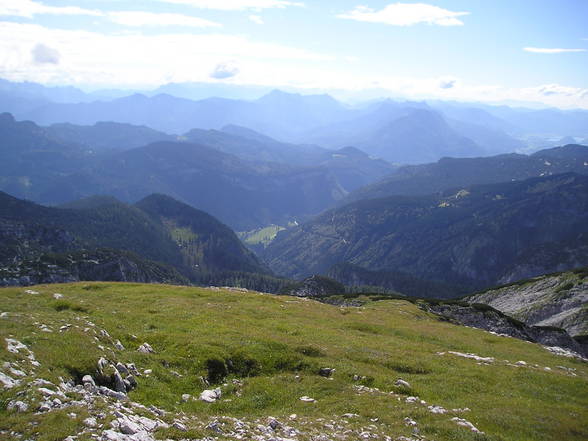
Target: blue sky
478,50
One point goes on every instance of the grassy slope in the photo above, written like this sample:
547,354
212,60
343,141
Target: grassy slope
383,341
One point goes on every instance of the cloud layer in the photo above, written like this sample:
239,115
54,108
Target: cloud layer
139,18
235,5
542,50
29,8
406,14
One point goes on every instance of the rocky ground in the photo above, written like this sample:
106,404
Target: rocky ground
559,300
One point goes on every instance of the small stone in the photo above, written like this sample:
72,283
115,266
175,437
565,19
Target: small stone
90,422
401,383
349,415
326,372
179,426
57,296
44,407
88,379
273,423
307,399
118,345
102,363
145,348
18,406
186,398
521,363
148,371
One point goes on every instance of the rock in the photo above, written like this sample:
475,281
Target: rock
44,407
145,348
118,345
437,409
132,382
102,363
326,372
467,424
210,396
186,398
30,291
273,423
128,427
87,379
349,415
179,426
111,393
401,383
90,422
410,422
8,382
18,406
148,371
57,296
473,357
133,369
122,368
307,399
119,384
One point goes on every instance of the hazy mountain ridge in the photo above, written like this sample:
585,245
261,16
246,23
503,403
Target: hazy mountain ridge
450,173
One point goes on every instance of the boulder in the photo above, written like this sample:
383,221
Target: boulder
210,396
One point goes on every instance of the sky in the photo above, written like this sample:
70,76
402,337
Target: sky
529,51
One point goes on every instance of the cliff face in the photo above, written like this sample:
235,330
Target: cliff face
484,317
559,300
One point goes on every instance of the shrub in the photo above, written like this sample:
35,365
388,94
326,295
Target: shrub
217,370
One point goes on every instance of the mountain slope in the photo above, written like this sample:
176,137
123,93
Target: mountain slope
157,229
559,300
203,241
476,236
462,172
351,167
400,133
265,353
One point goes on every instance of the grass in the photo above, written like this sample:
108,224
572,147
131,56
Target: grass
276,345
262,236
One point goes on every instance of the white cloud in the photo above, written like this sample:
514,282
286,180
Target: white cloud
140,18
541,50
235,5
29,8
140,60
45,55
256,19
406,14
225,70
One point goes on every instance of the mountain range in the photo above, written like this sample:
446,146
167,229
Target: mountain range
403,132
237,175
474,236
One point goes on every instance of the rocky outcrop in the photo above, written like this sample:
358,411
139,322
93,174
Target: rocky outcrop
490,319
317,286
99,265
559,300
